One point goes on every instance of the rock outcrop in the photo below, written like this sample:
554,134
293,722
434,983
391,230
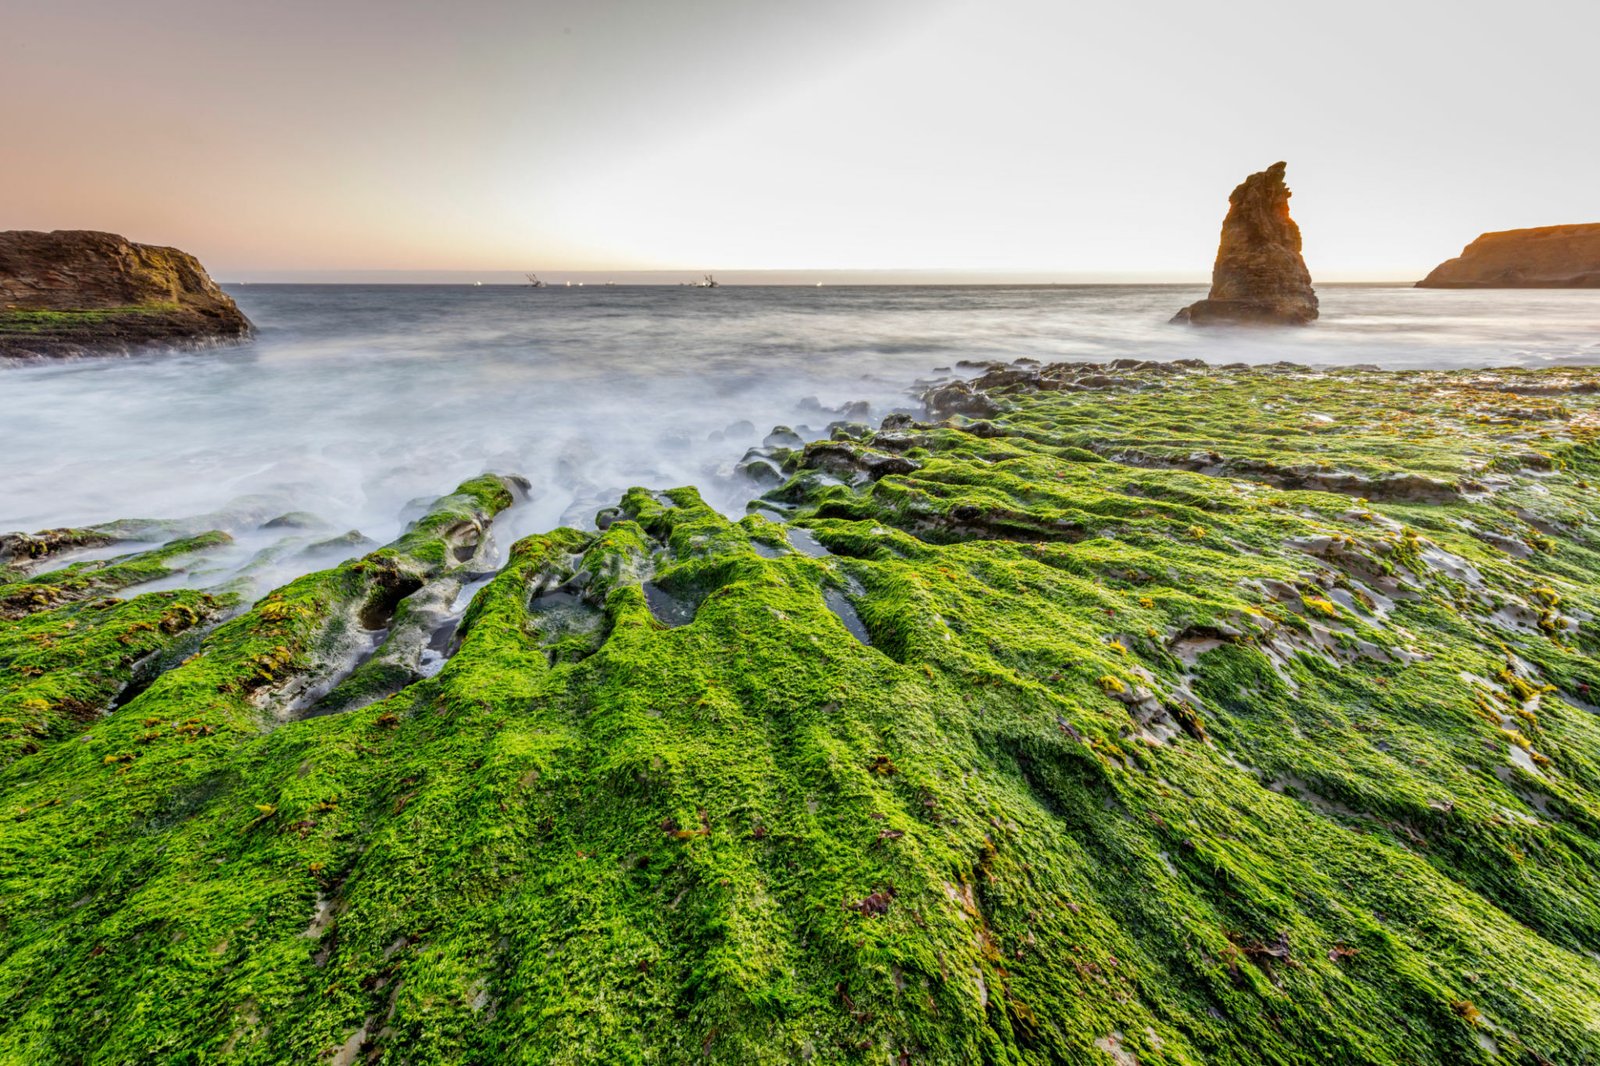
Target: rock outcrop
1259,276
1546,257
78,292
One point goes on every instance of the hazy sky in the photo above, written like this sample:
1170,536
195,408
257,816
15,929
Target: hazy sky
1080,140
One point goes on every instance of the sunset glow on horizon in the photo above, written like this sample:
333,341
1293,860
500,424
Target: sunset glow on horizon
1014,137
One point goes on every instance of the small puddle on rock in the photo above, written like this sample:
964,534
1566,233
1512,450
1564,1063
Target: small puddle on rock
668,609
554,601
562,612
768,551
846,612
803,541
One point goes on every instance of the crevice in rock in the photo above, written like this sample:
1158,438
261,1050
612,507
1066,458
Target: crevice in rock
805,542
1399,488
391,588
846,612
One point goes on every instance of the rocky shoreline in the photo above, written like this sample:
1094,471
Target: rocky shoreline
1130,712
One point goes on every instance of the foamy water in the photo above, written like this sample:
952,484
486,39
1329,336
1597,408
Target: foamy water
356,401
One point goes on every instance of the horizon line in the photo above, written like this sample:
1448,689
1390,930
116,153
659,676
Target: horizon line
776,277
1405,283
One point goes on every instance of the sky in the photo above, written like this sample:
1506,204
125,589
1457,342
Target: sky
1030,139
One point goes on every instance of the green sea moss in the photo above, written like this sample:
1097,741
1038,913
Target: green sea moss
1054,754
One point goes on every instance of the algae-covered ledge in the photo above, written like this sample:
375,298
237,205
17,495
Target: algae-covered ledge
1154,713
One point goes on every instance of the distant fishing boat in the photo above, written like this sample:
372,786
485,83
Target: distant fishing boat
709,283
533,281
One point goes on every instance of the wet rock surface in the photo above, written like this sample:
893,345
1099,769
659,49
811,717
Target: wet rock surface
81,292
1260,277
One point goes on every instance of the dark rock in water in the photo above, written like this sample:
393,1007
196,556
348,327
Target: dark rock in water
79,292
1548,257
848,430
1259,275
353,540
739,430
854,411
760,469
897,421
958,398
855,463
294,520
20,552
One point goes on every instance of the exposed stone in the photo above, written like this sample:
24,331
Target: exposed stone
850,462
1259,275
1548,257
81,292
958,398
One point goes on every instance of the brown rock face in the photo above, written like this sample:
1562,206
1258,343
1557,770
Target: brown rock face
1548,257
75,292
1259,276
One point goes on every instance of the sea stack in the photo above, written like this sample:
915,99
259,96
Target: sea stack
1259,277
82,292
1546,257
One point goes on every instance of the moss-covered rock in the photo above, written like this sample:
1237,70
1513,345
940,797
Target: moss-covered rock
1052,744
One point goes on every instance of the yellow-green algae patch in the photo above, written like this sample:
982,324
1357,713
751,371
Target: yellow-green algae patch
1120,726
31,321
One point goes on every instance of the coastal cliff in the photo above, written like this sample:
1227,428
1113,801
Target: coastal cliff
82,292
1259,277
1546,257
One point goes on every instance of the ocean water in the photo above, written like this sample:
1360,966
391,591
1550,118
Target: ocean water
356,401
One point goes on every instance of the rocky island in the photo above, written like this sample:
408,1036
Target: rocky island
82,292
1129,713
1260,277
1546,257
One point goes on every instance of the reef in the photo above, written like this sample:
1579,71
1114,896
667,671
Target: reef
1548,257
80,292
1259,276
1151,714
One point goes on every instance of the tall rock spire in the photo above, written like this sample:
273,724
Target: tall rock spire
1259,276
